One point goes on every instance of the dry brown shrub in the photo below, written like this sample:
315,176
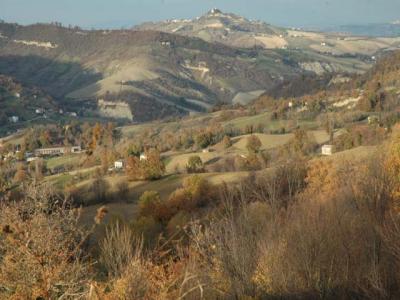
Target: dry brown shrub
41,248
118,248
228,248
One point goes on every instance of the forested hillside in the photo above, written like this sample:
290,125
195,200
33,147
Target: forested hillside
160,74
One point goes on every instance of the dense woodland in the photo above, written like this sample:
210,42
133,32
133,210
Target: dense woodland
297,226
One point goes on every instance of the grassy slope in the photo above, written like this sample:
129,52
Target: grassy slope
265,120
55,162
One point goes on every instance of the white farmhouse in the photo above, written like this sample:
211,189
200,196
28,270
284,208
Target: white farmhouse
31,159
14,119
76,149
119,164
327,150
143,156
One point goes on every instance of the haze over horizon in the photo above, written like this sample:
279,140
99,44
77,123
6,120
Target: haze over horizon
126,13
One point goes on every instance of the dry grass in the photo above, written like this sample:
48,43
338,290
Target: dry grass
268,141
179,162
356,154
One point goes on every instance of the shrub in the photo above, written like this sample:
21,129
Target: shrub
20,175
41,247
149,204
118,248
253,144
226,142
194,165
195,193
100,188
122,190
148,228
151,168
177,223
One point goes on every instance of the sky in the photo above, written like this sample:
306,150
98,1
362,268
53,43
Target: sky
125,13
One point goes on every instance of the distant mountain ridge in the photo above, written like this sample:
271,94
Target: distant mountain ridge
237,31
374,30
216,26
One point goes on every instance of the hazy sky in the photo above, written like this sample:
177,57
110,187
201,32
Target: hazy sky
117,13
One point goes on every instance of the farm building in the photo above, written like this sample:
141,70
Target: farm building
76,149
50,151
13,119
119,164
31,159
57,151
327,150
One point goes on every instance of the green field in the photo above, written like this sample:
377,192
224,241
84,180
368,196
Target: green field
59,161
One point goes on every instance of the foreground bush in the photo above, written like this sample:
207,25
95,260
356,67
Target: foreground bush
41,254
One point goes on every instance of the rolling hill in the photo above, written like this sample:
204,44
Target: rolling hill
234,30
159,70
158,74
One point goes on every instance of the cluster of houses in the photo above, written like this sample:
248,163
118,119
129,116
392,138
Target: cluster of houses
42,152
42,112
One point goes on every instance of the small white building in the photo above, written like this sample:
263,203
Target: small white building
33,158
207,150
76,149
39,111
327,150
119,164
14,119
143,156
